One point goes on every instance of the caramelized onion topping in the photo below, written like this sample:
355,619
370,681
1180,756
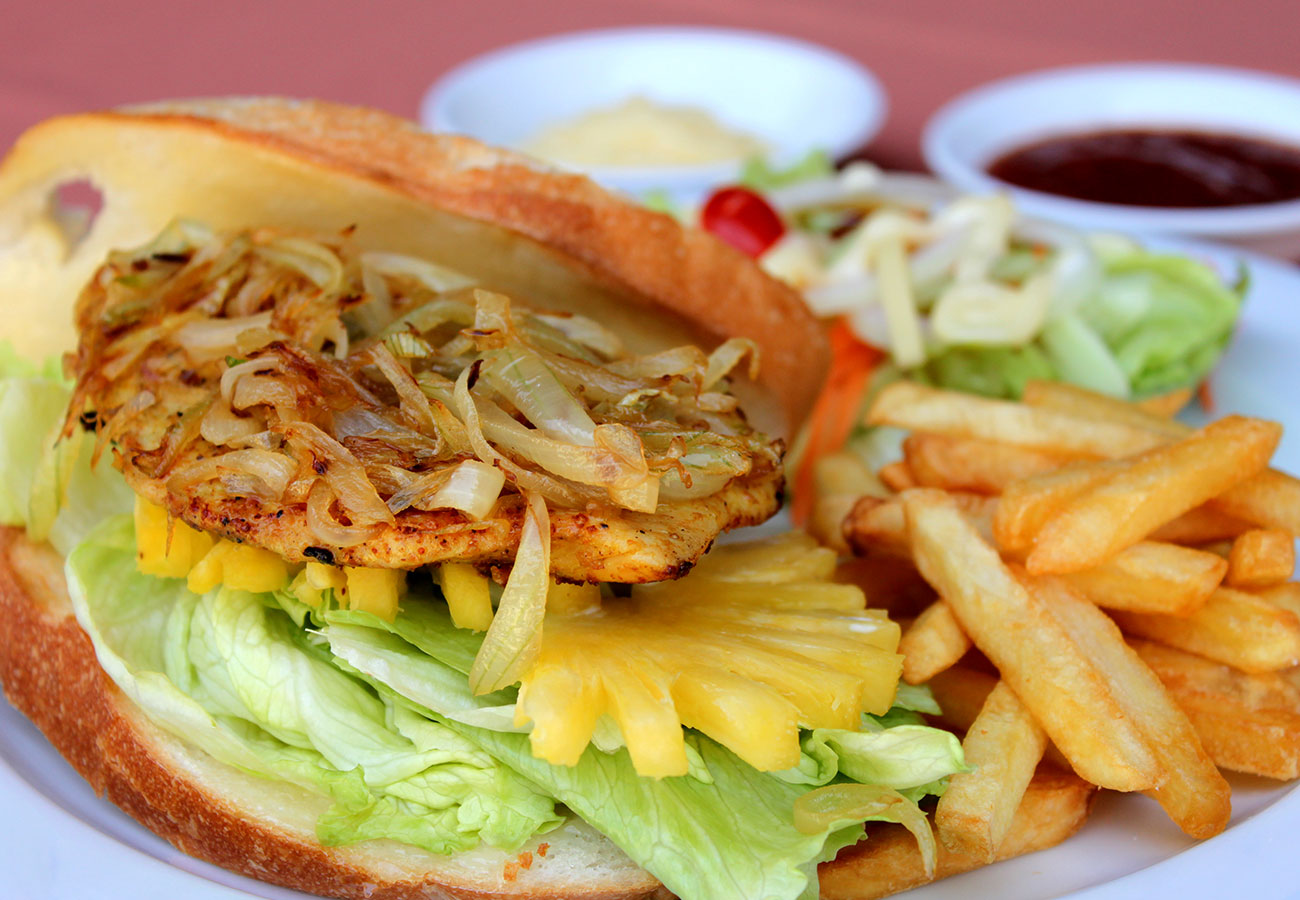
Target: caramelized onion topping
362,385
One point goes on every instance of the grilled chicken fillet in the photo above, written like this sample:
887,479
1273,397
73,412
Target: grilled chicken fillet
299,396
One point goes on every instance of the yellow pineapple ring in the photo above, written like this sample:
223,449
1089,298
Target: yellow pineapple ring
747,662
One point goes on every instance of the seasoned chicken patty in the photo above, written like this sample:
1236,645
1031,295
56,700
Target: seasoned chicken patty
372,410
607,545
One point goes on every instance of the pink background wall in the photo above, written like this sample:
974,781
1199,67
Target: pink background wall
63,56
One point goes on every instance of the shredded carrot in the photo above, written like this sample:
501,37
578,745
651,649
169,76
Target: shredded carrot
836,411
511,871
526,860
1205,394
542,849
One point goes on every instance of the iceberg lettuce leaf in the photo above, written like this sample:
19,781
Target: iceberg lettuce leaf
732,837
230,672
46,483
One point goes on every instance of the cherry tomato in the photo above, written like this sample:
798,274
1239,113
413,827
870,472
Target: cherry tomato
743,219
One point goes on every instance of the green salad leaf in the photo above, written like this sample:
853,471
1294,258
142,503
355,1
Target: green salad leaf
230,672
732,839
1154,323
760,175
46,482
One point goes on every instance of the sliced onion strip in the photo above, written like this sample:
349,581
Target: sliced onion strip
726,357
552,489
514,638
412,400
221,426
325,529
344,473
523,378
232,375
268,473
206,339
472,487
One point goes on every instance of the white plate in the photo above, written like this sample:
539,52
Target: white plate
59,841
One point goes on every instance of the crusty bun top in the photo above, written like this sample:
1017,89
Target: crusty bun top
552,239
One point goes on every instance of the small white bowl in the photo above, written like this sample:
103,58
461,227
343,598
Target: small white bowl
792,95
970,132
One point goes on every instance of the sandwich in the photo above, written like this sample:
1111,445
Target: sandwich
362,542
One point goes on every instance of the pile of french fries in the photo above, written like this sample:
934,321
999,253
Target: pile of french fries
1113,592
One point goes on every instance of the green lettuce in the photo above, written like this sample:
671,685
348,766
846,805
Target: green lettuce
1154,323
992,371
733,838
230,672
760,175
1166,318
31,411
724,830
360,709
46,482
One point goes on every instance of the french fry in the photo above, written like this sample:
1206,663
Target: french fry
1055,806
826,523
1068,692
1002,747
1247,723
1082,402
839,479
880,526
933,643
1201,525
844,473
969,464
1286,596
1270,499
1261,558
960,692
1152,577
1190,788
905,404
897,476
1233,627
889,583
1026,506
1147,577
1166,405
1151,489
876,526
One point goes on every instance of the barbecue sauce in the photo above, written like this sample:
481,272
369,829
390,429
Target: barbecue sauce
1173,169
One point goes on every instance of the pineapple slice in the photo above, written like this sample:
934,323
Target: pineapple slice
467,594
572,599
793,557
740,713
166,547
310,584
375,591
747,649
239,566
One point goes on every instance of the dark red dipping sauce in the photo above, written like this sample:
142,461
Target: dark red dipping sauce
1182,169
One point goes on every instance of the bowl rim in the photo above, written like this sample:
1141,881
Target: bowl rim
947,161
437,98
